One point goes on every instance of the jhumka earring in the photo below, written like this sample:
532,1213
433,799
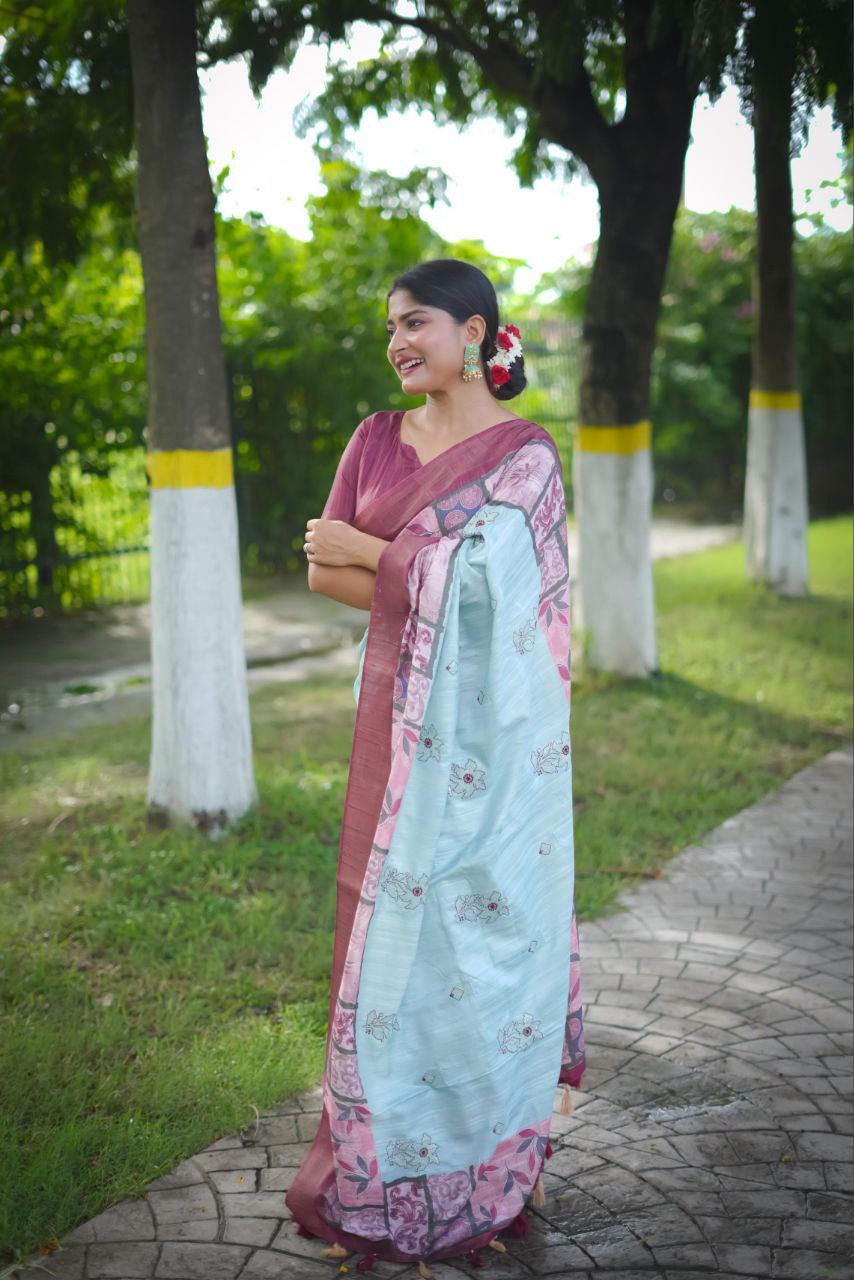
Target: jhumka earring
471,362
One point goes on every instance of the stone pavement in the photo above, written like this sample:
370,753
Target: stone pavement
713,1133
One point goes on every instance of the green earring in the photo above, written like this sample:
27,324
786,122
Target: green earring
471,362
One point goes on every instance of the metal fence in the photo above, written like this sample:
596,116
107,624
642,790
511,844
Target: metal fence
84,540
550,349
84,543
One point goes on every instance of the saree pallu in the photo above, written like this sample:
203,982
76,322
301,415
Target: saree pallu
455,1004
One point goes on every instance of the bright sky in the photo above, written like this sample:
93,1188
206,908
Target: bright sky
273,171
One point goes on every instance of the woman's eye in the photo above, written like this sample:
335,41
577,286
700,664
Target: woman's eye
389,331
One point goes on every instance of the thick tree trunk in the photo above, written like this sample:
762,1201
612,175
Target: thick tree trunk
639,192
201,750
775,491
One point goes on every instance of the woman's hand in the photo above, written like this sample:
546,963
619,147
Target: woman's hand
337,544
332,542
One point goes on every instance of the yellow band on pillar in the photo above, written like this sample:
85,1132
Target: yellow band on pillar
774,399
190,468
624,439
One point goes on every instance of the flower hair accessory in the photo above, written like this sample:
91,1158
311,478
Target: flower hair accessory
508,340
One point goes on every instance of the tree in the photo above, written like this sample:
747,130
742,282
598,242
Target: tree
790,47
201,750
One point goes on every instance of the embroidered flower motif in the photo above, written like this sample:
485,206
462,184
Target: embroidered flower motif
545,848
554,757
479,906
433,1077
517,1036
409,1153
482,696
380,1025
466,779
457,993
485,517
403,887
429,746
523,637
451,666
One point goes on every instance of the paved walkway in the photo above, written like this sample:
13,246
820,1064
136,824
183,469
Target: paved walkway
94,667
713,1134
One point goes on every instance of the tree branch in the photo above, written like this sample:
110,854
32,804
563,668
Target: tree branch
568,110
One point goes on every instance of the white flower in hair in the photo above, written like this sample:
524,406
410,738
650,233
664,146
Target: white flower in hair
509,343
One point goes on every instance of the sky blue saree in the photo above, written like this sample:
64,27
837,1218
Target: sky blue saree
455,1008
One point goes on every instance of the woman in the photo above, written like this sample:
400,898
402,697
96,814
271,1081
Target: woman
455,1006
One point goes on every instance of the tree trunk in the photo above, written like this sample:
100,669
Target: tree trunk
639,192
201,750
775,490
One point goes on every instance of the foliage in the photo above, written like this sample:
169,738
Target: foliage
809,42
701,370
554,75
305,344
71,355
67,136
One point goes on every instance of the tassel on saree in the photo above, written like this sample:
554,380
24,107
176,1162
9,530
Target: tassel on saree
519,1226
539,1197
335,1251
565,1107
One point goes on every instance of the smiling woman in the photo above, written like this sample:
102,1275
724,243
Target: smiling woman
455,1002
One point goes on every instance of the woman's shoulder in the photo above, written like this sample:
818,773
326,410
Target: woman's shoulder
378,421
537,432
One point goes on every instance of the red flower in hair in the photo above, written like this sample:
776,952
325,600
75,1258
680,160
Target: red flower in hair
503,341
511,328
499,375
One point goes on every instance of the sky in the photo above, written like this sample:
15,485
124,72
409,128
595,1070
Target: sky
273,172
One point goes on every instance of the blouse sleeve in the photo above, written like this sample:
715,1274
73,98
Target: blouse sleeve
341,502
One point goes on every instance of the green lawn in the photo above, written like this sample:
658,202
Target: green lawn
156,989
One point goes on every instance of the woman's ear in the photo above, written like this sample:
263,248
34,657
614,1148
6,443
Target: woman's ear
475,329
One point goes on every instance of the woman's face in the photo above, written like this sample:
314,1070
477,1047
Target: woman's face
431,336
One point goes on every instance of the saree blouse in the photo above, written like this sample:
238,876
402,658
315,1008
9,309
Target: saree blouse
374,459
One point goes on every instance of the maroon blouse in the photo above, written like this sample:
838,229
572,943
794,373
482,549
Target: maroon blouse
374,459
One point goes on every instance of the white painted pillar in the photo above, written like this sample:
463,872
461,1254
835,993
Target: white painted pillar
775,493
201,746
612,487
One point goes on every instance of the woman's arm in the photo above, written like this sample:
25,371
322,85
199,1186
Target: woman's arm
347,583
353,583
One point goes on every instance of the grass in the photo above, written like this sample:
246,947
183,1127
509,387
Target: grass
156,988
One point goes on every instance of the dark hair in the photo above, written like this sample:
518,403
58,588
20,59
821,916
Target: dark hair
463,291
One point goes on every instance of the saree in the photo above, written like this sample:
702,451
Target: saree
455,1000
